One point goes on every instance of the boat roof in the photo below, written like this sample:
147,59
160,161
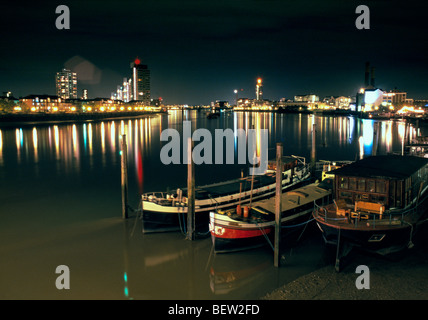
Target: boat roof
383,166
293,198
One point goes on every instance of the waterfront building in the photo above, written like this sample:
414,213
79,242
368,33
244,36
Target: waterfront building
66,84
9,103
396,98
45,103
307,98
85,94
259,90
337,102
373,98
123,92
140,82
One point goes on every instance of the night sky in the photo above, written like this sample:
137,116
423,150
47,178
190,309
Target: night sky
200,51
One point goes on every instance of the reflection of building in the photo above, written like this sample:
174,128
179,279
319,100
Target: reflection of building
140,82
66,84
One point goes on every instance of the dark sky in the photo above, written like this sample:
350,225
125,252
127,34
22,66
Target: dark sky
199,51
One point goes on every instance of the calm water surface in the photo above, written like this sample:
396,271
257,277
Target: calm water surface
60,204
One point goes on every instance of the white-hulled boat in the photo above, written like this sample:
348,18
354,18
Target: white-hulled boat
168,211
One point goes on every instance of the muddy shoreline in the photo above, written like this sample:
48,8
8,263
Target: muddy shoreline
400,277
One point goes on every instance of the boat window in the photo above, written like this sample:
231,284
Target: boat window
362,185
379,199
398,193
380,186
352,184
345,195
358,196
343,182
370,185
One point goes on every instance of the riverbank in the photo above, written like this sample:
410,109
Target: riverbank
398,278
43,118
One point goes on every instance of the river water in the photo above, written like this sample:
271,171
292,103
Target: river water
60,204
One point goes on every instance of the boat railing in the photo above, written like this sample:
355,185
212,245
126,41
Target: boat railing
300,174
165,199
364,218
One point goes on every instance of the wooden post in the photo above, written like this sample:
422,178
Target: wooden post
190,192
124,177
338,256
376,134
278,201
313,151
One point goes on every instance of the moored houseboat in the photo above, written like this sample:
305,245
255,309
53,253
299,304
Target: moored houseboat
166,211
378,202
242,228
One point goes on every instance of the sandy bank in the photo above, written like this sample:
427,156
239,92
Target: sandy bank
403,278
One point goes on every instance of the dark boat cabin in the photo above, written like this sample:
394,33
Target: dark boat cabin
391,180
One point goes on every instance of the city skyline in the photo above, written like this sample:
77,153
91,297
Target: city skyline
200,52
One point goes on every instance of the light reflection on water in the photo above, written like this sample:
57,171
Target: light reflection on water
60,204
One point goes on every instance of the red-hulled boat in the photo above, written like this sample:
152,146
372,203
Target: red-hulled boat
253,226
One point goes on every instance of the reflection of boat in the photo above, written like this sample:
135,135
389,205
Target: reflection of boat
236,229
213,114
378,201
246,271
167,212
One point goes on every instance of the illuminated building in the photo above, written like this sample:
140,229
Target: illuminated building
85,94
123,92
372,99
307,98
66,84
140,82
396,98
259,90
40,103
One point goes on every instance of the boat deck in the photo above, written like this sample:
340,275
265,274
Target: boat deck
363,221
232,186
293,199
262,212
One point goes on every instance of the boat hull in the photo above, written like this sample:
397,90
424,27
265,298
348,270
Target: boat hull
380,241
231,239
380,238
164,218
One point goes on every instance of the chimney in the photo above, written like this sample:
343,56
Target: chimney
372,80
366,78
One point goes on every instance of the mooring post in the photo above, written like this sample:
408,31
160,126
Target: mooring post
278,201
338,254
313,150
375,138
124,177
190,192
